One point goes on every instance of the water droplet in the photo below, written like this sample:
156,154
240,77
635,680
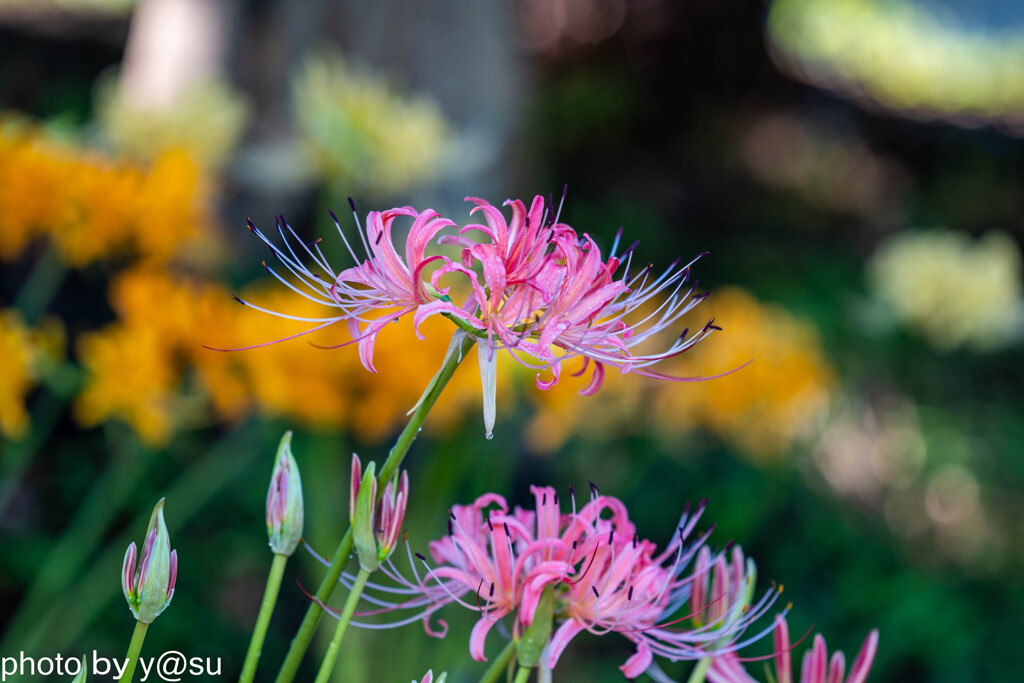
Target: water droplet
419,430
489,435
395,321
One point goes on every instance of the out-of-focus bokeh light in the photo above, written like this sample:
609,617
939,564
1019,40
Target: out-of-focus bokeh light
924,59
917,476
823,166
953,289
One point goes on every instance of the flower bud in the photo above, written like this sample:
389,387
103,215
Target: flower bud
375,525
390,515
361,515
150,587
82,674
284,501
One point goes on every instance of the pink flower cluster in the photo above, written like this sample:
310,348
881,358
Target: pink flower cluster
537,289
816,667
685,602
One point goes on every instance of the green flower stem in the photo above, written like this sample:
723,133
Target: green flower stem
300,643
40,287
700,671
500,665
133,651
252,657
346,615
523,675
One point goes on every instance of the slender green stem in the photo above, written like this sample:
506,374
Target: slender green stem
252,657
346,615
300,643
700,671
523,675
37,292
133,651
500,665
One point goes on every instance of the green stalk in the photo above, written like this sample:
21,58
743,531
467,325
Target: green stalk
700,671
40,287
339,632
523,675
300,643
133,651
252,657
500,665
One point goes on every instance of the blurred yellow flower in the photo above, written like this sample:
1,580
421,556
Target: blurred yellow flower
24,351
760,410
207,120
91,206
953,289
130,376
138,367
363,135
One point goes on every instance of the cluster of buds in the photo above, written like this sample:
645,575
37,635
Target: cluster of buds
149,586
375,524
284,501
538,289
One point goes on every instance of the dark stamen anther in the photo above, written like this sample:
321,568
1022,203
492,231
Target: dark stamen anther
629,596
596,594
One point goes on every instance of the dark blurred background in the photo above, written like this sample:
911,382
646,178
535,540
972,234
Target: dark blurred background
853,168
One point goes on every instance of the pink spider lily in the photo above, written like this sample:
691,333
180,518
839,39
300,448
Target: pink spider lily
378,290
429,677
637,595
606,579
548,295
538,289
815,668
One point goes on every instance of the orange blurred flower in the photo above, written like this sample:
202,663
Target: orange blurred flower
760,410
92,206
138,367
25,351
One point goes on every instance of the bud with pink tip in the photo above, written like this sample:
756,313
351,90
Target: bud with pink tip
149,586
285,510
375,524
